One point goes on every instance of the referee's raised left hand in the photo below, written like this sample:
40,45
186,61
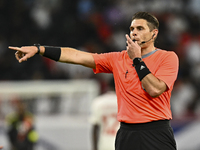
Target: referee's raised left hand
133,48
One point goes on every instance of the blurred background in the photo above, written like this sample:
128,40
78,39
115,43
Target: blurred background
57,96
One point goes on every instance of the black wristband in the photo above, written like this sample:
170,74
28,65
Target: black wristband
142,70
38,47
52,52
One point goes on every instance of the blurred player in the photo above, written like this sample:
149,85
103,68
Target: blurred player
21,132
104,119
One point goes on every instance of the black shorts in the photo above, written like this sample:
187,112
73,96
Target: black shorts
156,135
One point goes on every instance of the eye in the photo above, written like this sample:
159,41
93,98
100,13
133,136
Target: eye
140,28
131,28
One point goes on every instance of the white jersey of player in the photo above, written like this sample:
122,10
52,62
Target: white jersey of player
104,114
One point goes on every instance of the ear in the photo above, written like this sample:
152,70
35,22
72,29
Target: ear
155,33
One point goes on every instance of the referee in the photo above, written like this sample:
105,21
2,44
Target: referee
144,77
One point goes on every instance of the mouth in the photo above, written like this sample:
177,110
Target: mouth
134,40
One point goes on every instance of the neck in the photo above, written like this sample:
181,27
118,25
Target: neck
148,49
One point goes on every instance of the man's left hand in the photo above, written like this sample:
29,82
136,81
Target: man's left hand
133,48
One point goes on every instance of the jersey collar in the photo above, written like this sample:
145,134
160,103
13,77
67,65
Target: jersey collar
150,53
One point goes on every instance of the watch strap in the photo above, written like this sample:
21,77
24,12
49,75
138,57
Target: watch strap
38,47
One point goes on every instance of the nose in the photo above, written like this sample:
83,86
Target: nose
133,34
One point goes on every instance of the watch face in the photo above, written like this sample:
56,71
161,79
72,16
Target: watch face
137,61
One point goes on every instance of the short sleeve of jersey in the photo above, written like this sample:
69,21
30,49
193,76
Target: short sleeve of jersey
168,69
103,62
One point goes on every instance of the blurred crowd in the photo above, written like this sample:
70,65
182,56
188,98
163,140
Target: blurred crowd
99,26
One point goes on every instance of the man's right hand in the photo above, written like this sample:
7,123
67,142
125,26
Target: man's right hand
24,53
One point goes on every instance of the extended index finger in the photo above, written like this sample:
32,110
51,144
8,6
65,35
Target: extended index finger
15,48
128,38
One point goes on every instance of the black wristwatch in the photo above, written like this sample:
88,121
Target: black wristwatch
136,61
38,47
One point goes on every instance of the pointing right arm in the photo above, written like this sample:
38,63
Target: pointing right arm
67,55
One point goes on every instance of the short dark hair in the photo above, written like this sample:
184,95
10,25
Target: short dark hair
152,21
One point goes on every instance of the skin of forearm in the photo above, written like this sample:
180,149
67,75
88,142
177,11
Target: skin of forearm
74,56
153,86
